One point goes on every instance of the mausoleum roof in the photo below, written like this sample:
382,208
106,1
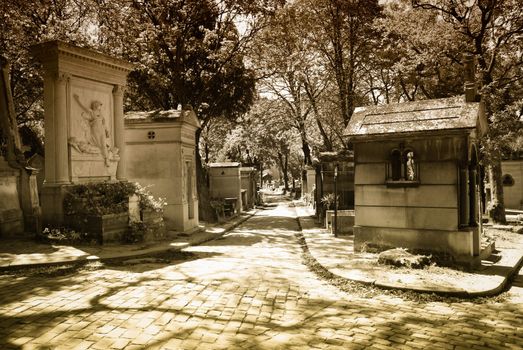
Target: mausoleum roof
162,115
224,165
343,156
414,117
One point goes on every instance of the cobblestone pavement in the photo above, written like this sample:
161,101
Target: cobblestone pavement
246,290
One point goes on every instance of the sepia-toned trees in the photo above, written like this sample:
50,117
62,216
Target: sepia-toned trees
316,60
492,31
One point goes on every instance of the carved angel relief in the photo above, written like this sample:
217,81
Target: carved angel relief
94,135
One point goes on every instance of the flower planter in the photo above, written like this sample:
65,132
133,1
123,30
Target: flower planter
107,228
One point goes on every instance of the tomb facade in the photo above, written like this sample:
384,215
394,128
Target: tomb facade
84,126
161,155
416,176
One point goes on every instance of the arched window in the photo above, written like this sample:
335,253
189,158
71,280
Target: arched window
403,168
395,165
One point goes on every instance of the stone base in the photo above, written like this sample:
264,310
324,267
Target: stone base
52,203
458,246
176,217
108,228
345,221
11,223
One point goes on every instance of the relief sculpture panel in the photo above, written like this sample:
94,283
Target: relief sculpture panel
91,137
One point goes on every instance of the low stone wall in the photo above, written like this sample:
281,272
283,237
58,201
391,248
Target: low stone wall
345,220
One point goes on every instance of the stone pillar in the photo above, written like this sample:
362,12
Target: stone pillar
464,202
119,141
61,129
472,196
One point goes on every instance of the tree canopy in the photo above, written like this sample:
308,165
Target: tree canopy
282,74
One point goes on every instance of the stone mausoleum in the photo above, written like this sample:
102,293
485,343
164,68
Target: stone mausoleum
513,180
248,185
84,125
225,183
416,176
161,154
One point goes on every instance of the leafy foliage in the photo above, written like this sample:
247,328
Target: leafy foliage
343,33
419,56
328,200
65,235
23,24
147,200
102,198
187,52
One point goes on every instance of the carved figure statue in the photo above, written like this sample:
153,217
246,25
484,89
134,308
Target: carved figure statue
411,172
99,133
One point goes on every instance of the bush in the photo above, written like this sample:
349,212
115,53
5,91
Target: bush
136,232
100,198
147,200
92,201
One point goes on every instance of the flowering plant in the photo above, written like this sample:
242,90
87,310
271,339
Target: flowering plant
328,200
64,234
147,200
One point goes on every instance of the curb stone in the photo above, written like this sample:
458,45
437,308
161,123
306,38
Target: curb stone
388,286
85,259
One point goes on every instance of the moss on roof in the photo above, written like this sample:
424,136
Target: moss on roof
411,117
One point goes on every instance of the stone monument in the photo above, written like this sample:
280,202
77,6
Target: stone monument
162,145
84,125
417,177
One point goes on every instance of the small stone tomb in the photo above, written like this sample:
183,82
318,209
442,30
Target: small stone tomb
225,183
161,155
416,176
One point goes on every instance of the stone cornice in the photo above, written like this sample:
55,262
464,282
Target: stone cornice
51,50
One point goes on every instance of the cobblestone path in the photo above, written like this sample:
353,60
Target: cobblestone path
246,290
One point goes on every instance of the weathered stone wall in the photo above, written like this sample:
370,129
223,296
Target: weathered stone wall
248,183
11,216
225,182
423,216
161,154
513,194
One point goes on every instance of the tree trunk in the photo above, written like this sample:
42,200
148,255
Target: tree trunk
496,209
281,169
